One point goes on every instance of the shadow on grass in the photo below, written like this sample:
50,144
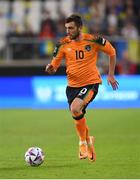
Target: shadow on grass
46,166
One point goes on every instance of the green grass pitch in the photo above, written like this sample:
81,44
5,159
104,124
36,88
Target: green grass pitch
117,134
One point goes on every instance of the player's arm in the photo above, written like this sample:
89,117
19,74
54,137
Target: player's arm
107,48
111,78
56,61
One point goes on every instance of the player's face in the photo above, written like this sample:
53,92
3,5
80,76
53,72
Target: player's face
72,30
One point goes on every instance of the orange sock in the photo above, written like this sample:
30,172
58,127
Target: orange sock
81,128
87,134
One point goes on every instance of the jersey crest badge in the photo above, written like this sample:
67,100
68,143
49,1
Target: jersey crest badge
88,47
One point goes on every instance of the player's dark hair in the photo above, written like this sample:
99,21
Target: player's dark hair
75,18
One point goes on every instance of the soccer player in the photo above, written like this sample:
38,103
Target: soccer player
80,53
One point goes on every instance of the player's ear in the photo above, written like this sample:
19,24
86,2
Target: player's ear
80,28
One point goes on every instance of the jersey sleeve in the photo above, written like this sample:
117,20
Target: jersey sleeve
57,56
105,46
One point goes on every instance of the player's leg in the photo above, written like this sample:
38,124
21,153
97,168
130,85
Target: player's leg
86,95
78,101
90,139
80,124
78,109
77,114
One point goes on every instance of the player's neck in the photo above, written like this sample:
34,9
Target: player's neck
78,38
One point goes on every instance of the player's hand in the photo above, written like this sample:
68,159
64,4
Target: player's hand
112,81
50,69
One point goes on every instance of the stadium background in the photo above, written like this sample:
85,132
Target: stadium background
29,31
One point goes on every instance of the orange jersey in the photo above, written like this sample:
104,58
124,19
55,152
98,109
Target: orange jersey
80,58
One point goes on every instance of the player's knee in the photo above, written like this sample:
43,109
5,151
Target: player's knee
75,110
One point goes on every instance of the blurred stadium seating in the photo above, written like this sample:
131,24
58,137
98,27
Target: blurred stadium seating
30,28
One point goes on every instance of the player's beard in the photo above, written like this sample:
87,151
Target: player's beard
75,36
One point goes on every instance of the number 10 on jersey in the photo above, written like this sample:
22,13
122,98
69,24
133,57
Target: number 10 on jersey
79,54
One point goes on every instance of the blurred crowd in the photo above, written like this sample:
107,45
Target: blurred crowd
43,20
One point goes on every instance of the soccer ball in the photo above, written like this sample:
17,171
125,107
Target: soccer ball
34,156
